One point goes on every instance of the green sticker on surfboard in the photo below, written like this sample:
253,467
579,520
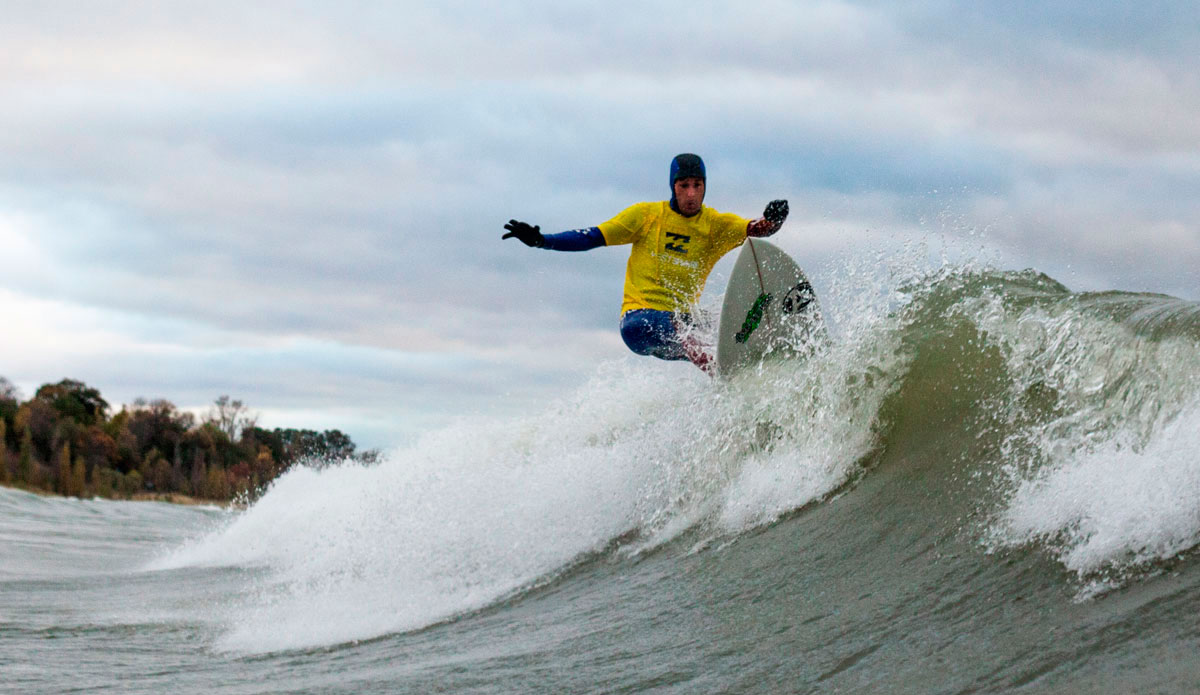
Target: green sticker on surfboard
753,318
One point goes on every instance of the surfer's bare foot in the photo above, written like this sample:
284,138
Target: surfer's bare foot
700,355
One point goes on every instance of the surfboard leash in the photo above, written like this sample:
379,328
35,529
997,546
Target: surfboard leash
762,285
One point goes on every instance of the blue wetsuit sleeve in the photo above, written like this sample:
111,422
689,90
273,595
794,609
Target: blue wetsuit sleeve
574,240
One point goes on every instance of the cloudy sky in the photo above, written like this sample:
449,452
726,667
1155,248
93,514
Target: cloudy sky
299,203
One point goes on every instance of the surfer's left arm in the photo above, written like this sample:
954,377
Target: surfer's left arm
772,219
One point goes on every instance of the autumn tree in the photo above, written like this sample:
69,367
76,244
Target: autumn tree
63,470
131,483
158,424
8,392
9,404
101,481
74,400
231,417
99,450
78,477
289,446
160,470
40,420
64,440
217,484
26,470
5,474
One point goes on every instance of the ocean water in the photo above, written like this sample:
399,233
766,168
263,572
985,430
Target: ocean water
984,483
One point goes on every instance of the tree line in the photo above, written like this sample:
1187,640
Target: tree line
63,440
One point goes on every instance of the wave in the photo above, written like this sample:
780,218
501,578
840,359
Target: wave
1073,414
1103,467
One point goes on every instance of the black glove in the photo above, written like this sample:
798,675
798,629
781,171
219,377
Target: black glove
776,212
528,235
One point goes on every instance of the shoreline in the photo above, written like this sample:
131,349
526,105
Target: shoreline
144,496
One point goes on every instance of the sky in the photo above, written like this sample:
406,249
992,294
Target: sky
299,204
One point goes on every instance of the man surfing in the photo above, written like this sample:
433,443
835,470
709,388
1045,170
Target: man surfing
676,243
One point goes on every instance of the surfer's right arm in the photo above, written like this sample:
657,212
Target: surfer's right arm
573,240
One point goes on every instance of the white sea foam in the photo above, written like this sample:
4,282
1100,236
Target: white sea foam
479,510
814,427
469,514
644,453
1118,505
1112,479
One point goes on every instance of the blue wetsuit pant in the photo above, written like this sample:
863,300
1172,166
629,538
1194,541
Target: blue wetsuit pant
653,333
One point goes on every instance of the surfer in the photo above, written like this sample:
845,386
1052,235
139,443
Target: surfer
676,243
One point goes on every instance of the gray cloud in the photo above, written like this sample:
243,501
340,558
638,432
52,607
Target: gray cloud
338,176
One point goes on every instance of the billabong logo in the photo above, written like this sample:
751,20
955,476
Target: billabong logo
679,247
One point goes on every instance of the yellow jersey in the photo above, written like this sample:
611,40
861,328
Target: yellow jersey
672,255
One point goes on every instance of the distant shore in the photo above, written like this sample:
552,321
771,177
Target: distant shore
65,440
170,497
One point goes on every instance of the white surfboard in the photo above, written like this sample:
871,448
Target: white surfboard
769,308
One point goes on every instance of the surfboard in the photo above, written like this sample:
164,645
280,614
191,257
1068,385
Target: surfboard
769,308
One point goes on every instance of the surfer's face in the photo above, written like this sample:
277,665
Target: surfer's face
689,195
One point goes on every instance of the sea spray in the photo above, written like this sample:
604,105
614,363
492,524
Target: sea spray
1050,392
1117,505
488,507
1101,462
571,549
466,516
1090,400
